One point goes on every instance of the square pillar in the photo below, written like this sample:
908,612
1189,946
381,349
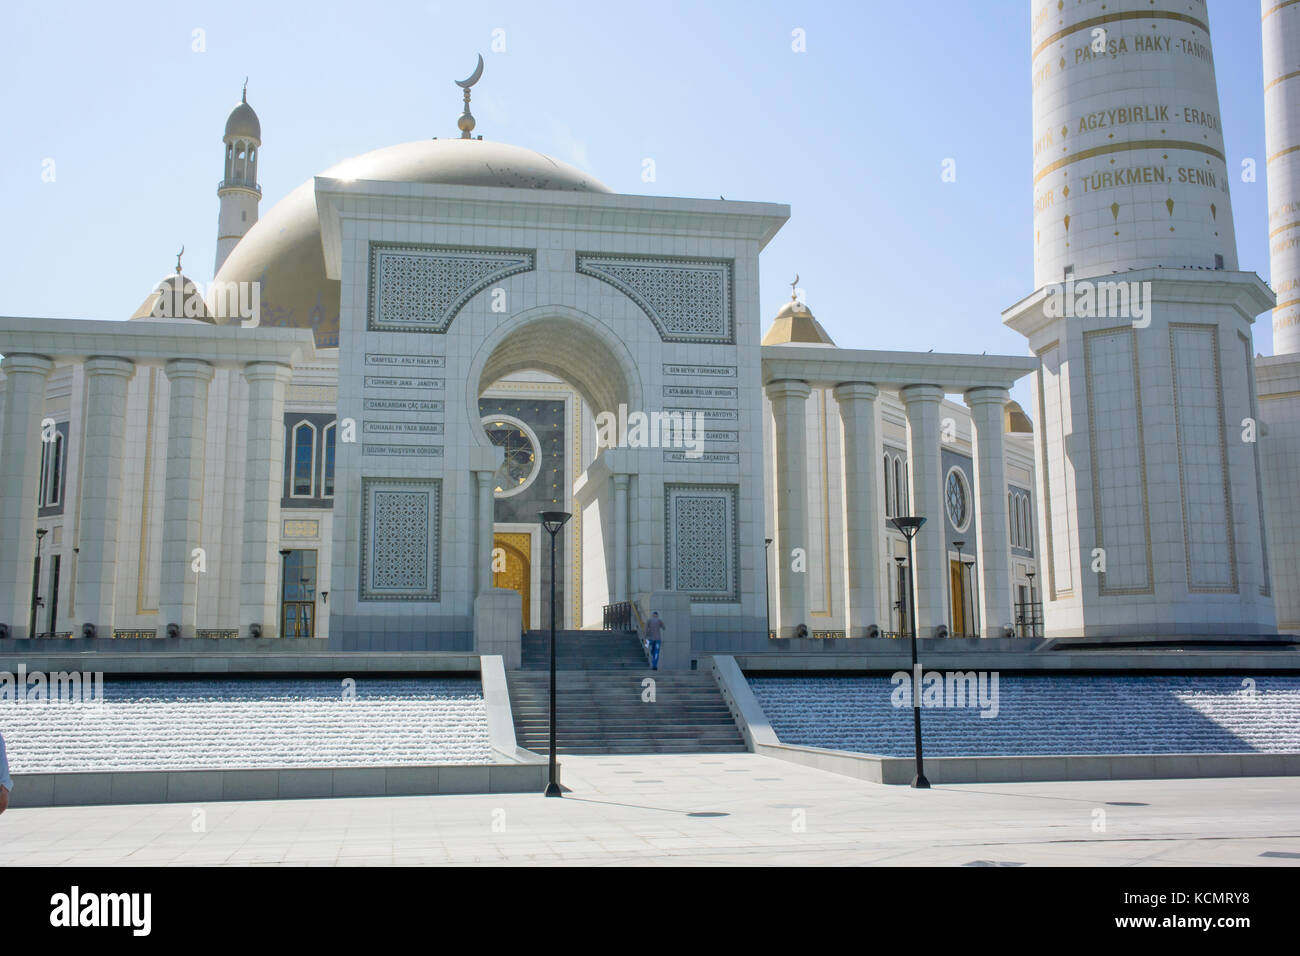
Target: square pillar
862,528
101,490
20,475
619,592
261,565
187,420
788,398
987,415
922,403
485,530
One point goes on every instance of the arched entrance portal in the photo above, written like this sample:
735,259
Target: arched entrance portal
539,379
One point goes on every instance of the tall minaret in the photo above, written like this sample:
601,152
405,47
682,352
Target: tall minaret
1278,373
239,192
1149,484
1281,25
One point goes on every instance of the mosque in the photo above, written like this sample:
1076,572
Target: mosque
349,434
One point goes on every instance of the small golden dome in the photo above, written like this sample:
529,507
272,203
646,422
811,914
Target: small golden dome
1015,419
796,325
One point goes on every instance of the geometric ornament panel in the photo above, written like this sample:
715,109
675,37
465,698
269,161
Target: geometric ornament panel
701,546
688,300
421,288
401,530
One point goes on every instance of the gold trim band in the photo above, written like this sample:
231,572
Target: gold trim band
1124,147
1273,10
1280,79
1289,149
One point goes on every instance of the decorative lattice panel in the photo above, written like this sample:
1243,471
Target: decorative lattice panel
701,545
688,300
401,528
421,288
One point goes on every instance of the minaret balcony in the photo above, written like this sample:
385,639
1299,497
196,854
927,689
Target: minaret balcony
240,184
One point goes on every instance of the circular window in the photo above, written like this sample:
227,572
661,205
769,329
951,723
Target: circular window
956,494
522,459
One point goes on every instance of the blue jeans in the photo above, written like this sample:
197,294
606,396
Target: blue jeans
654,653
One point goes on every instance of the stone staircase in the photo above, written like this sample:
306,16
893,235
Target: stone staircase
583,650
600,706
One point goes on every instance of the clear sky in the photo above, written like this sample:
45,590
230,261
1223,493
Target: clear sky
851,133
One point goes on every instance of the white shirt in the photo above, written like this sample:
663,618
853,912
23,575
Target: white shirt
5,780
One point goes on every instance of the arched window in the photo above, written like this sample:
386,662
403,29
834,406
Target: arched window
56,470
304,460
907,492
327,456
50,491
884,487
898,486
1013,523
1027,532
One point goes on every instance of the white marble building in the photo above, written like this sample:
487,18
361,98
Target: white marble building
350,434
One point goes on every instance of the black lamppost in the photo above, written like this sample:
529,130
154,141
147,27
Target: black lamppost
901,603
553,521
962,581
909,526
1033,618
36,584
284,586
767,565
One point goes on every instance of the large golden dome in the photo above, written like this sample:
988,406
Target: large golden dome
283,249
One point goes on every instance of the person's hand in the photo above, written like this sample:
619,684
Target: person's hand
4,799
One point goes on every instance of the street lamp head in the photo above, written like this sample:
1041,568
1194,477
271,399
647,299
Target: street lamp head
553,521
909,525
959,545
284,552
41,532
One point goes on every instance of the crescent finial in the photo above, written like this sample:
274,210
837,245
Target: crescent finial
793,285
473,78
178,259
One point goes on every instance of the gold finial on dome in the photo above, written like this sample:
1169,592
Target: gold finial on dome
466,121
178,259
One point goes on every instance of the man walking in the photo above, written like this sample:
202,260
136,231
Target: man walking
654,629
6,783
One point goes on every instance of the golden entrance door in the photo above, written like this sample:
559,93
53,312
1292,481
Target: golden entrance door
517,572
957,589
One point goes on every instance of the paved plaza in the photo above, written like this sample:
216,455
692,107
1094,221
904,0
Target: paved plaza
726,809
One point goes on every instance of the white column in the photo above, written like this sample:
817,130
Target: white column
101,490
930,553
619,591
787,398
987,415
862,528
261,563
187,419
485,531
20,474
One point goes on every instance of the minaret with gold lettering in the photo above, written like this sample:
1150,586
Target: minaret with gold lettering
1149,487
